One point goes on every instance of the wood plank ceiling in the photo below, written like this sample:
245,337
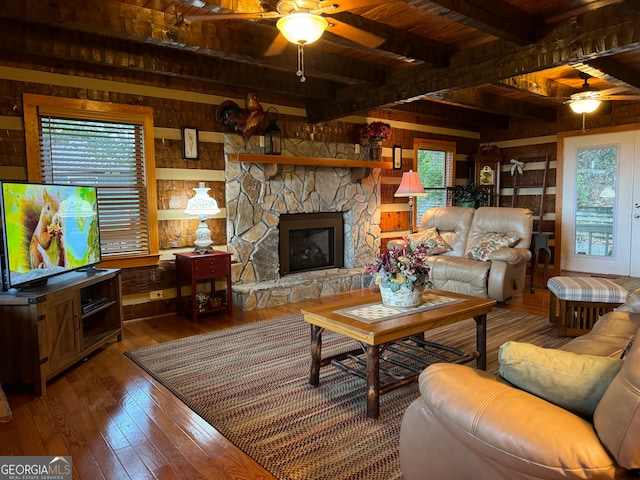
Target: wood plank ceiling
477,60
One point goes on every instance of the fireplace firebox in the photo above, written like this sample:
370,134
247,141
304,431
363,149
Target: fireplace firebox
311,241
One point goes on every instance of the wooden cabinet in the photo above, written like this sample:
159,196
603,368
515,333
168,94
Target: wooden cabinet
197,268
45,330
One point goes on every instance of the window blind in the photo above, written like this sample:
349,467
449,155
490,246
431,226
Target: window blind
107,155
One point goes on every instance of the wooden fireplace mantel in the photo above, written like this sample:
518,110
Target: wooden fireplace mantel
359,168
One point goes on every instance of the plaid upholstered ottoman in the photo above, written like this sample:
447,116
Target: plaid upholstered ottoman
576,303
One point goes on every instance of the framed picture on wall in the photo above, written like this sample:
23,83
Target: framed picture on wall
190,147
397,157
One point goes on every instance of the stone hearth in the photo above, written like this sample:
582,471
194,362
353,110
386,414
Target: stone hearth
254,206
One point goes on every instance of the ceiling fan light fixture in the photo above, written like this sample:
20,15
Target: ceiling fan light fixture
586,105
302,28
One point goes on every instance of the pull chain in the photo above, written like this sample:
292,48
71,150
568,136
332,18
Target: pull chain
300,71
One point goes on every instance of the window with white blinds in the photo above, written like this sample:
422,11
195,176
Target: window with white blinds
107,145
435,162
109,156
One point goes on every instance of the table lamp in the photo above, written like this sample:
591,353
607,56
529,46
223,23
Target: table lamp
410,186
203,207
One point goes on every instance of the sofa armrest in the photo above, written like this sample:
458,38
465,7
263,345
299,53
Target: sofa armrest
508,427
632,303
512,256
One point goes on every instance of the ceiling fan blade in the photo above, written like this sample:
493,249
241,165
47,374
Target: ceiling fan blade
354,34
277,46
329,6
232,16
612,91
634,98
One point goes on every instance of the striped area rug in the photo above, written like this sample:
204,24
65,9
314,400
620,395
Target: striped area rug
251,384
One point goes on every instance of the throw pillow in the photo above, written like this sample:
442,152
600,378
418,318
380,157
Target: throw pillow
490,243
570,380
431,239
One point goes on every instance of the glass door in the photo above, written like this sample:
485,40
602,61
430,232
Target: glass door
600,222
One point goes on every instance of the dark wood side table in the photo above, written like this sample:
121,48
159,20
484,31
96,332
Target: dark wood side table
539,242
194,268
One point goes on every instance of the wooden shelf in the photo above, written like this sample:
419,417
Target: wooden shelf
309,161
359,166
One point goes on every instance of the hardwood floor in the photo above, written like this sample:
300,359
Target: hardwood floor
117,422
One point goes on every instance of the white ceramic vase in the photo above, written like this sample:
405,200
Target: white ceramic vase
403,297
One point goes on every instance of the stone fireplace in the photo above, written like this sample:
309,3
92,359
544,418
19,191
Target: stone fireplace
256,202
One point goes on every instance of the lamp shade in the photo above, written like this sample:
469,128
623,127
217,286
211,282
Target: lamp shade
586,105
410,186
302,28
202,204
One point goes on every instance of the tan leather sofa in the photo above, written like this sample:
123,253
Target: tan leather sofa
462,228
469,424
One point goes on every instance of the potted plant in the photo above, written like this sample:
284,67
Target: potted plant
469,196
402,274
375,133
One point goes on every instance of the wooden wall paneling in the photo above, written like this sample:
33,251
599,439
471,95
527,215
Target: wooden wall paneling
146,279
394,221
12,148
169,155
174,194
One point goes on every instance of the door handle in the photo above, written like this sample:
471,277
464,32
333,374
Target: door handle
636,215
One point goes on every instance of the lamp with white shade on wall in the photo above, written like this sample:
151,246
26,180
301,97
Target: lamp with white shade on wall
410,186
202,206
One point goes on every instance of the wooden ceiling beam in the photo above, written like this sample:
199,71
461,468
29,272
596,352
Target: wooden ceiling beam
115,53
401,43
454,114
611,70
494,17
486,102
536,84
604,32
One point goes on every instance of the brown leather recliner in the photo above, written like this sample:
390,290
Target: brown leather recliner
470,424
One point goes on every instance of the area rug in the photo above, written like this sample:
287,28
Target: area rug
251,384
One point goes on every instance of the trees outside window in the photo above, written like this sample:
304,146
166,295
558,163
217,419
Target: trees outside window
434,161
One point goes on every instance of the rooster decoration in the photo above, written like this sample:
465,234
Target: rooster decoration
242,121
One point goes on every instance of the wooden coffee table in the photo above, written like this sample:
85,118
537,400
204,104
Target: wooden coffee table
374,337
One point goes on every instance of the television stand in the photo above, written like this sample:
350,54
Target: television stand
48,329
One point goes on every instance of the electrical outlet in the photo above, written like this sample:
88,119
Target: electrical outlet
156,294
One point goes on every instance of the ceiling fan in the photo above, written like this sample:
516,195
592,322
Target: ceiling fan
588,99
302,22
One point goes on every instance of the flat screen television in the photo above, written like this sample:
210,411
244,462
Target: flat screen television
47,230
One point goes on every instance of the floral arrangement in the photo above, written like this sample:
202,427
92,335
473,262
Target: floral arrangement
402,266
376,131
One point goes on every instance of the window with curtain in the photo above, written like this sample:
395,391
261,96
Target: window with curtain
434,161
104,147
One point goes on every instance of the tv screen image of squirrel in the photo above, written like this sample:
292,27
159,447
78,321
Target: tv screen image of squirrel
48,230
